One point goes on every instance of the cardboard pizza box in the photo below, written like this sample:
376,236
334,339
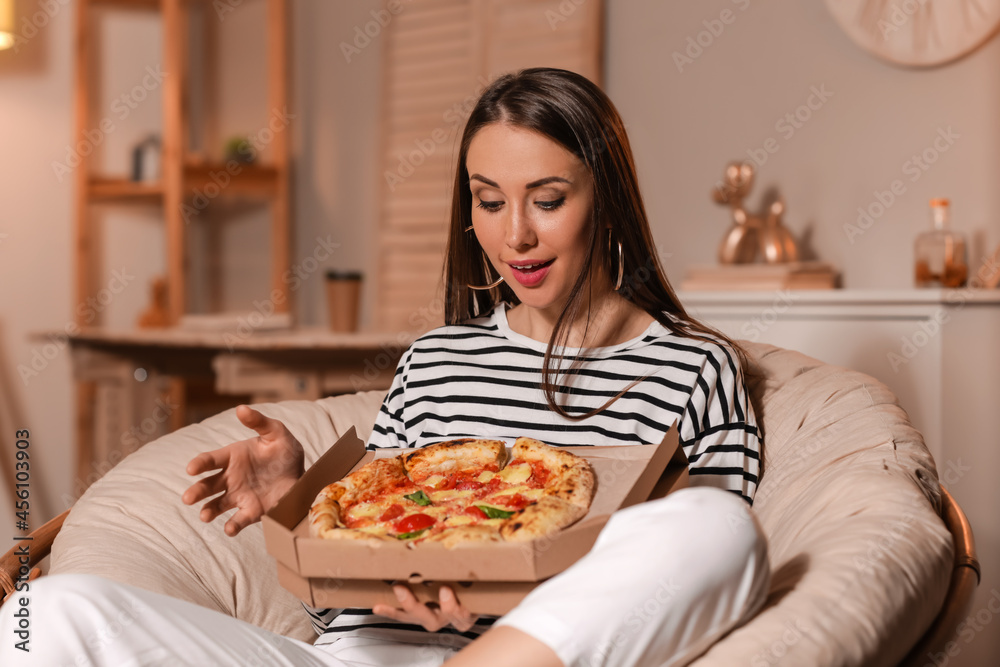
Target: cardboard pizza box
488,578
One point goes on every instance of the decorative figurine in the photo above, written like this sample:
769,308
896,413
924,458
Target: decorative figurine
749,235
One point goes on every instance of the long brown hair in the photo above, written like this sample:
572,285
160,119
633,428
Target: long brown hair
572,111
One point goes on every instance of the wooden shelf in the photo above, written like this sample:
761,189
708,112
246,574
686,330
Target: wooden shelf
212,179
151,5
247,180
123,190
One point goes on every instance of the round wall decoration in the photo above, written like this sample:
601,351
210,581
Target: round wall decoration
919,33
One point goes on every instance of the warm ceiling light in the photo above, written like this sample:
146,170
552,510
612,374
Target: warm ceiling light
6,24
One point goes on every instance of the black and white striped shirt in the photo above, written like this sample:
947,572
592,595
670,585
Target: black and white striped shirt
481,379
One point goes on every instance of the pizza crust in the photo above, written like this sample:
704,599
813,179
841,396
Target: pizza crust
445,457
574,480
467,534
543,519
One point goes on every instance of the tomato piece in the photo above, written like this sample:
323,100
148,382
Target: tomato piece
394,512
539,475
474,511
515,501
467,484
413,523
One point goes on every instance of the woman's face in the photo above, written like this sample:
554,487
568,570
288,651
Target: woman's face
531,211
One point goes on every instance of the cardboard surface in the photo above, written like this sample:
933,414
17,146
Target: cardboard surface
490,578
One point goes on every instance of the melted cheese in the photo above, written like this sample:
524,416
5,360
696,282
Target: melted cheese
485,476
451,494
527,492
459,520
368,509
516,474
434,481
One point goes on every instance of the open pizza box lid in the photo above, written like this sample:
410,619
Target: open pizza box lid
489,578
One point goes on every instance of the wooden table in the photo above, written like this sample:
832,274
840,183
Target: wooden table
135,386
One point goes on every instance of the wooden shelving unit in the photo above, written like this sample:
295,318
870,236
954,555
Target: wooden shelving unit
183,176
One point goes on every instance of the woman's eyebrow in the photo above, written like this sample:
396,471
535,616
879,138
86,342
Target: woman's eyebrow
546,181
529,186
479,177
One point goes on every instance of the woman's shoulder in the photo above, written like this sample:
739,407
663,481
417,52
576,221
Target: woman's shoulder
476,329
681,341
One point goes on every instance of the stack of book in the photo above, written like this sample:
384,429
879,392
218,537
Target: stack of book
790,275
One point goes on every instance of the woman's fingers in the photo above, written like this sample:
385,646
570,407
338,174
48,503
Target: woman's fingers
449,611
243,518
413,611
423,614
213,460
460,617
265,426
215,507
203,488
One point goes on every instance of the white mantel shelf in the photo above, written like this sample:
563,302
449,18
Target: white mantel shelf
847,296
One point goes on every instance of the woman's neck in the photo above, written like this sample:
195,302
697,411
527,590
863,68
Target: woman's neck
607,319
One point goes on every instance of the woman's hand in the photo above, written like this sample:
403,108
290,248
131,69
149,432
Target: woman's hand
254,473
448,611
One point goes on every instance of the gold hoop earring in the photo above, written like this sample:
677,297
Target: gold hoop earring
486,268
621,261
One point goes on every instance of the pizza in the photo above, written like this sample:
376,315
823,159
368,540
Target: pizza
465,490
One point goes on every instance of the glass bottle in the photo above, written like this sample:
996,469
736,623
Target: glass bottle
940,253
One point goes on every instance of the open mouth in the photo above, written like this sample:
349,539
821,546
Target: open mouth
531,274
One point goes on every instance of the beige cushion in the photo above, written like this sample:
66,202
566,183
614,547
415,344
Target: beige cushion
130,526
860,560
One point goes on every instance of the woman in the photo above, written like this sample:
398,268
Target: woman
563,327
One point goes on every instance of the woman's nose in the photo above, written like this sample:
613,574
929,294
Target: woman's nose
520,229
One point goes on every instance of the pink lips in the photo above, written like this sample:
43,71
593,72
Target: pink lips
530,272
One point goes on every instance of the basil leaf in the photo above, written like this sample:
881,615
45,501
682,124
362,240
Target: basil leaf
410,536
419,498
494,513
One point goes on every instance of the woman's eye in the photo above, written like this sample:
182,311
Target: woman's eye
490,206
551,205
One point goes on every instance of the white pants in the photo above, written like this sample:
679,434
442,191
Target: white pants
664,581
